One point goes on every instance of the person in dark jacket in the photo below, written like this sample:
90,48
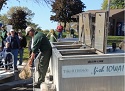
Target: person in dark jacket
40,43
14,45
23,44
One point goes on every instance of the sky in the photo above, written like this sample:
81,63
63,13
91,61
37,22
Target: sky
43,12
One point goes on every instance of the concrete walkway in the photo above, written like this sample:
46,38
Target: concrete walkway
18,83
14,83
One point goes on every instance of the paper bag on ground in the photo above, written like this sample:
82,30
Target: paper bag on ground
25,73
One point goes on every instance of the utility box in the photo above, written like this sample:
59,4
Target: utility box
88,69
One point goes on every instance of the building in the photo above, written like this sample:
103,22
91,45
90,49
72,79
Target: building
116,19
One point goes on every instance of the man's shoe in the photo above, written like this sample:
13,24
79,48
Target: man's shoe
37,86
15,69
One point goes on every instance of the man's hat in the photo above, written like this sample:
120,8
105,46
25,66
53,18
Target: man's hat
11,30
28,29
19,31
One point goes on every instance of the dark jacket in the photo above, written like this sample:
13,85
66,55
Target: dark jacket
14,42
40,42
23,42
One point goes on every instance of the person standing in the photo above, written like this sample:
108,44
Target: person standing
40,43
59,30
23,44
4,35
72,32
14,45
53,36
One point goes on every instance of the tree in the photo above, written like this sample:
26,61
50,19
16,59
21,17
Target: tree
4,19
18,19
12,10
114,4
12,13
64,9
4,2
19,16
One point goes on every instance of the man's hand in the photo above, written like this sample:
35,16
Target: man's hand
30,61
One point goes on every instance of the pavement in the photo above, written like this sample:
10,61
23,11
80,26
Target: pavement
16,84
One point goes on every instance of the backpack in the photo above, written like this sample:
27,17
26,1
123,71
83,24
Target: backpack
59,28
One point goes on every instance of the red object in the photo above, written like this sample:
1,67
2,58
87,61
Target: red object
60,28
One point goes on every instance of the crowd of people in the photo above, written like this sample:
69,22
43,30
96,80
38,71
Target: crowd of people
13,42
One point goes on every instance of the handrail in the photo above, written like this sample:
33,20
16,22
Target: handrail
9,63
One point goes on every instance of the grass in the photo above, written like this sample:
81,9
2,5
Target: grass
25,55
115,39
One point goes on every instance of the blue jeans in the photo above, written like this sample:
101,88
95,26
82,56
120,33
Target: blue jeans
59,35
15,54
20,55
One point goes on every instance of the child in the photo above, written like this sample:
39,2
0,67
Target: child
1,57
7,57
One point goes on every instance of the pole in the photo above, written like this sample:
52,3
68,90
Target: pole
108,10
107,24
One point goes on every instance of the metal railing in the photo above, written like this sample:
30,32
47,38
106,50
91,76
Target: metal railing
35,69
8,64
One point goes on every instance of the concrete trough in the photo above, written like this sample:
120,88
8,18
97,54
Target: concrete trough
65,43
78,52
92,69
61,47
104,72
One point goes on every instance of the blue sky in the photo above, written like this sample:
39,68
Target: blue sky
42,11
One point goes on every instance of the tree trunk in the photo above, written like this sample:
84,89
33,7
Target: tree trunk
64,26
1,3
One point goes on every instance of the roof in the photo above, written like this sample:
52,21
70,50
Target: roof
112,12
